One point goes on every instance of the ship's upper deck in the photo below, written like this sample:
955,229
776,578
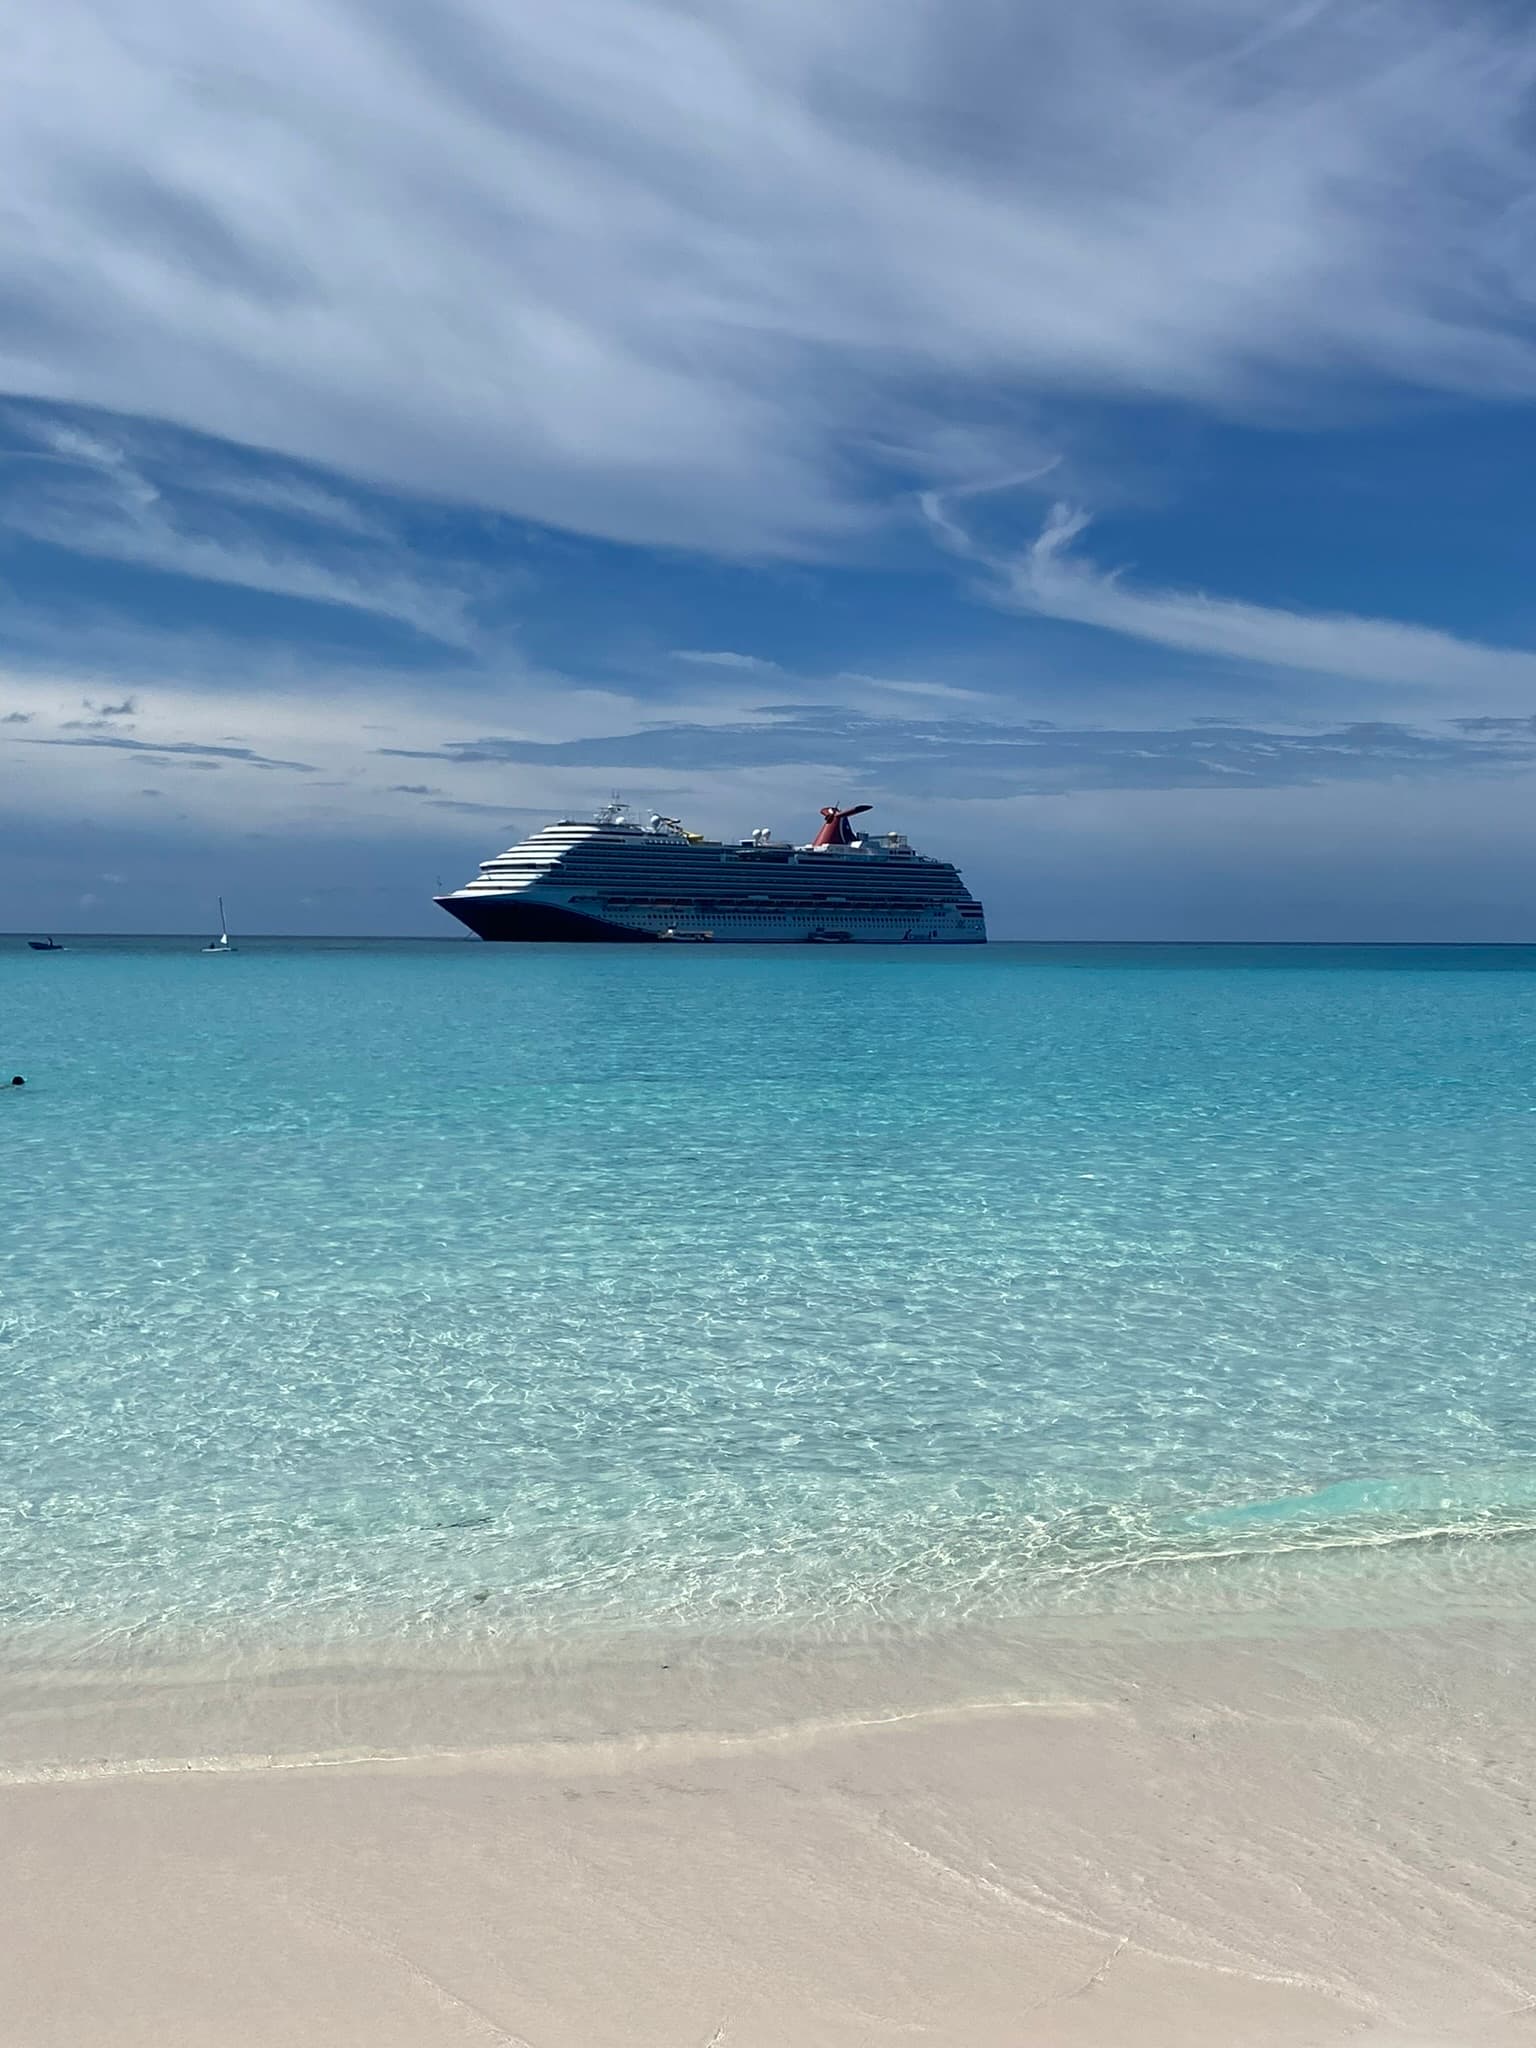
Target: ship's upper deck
614,823
615,852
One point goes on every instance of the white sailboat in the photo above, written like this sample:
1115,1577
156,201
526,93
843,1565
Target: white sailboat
221,943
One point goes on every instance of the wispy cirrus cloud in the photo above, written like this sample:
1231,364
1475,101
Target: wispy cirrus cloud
293,497
724,658
1053,579
680,276
95,494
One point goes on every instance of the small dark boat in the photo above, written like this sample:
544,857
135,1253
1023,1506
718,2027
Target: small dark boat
45,945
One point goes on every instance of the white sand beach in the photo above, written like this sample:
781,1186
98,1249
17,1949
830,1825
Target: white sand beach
1305,1840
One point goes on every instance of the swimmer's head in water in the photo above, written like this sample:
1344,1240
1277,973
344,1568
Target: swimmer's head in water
17,1081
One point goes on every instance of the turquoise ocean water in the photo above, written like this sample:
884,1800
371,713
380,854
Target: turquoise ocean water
370,1290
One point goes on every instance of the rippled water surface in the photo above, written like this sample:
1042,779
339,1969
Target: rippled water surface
423,1287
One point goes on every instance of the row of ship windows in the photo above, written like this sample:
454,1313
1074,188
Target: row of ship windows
611,890
898,924
891,912
908,887
610,858
888,913
889,907
572,871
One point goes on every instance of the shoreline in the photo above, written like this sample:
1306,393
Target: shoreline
468,1682
1292,1839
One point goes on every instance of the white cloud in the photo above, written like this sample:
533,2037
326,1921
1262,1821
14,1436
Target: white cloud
668,275
95,496
1052,580
884,687
850,685
757,663
293,498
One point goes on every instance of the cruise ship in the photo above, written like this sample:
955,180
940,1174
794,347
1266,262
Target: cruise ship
610,878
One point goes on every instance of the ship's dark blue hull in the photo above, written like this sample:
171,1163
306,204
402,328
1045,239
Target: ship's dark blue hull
491,917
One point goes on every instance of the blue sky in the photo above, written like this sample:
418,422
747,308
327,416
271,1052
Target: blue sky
1102,438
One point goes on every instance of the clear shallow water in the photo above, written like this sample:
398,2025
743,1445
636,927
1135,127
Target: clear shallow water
456,1290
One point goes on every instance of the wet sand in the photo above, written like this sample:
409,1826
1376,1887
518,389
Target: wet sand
1324,1837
